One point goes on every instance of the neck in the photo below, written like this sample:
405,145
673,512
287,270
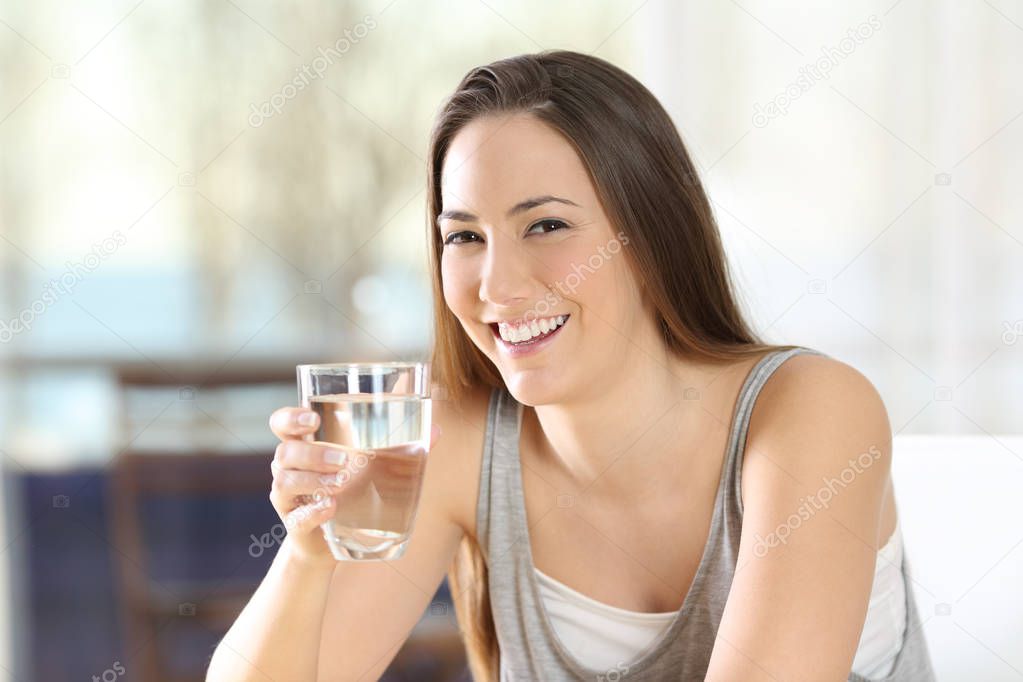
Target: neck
638,433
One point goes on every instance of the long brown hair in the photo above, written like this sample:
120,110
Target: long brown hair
649,190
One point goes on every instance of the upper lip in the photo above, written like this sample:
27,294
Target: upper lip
518,321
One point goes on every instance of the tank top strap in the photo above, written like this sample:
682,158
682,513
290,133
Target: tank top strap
500,482
730,487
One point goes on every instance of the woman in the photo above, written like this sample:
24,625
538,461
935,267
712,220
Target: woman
630,483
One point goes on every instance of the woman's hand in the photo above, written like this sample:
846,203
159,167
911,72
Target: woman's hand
310,479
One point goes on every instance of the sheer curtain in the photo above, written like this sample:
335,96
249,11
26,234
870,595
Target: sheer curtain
868,213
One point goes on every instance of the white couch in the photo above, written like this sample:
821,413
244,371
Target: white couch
961,505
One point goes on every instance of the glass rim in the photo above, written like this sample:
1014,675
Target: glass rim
410,364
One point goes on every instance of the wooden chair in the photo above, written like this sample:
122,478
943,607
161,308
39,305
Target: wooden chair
150,604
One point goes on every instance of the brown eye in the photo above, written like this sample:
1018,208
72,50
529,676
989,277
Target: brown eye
454,237
553,224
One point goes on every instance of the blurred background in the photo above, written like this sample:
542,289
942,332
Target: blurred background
197,196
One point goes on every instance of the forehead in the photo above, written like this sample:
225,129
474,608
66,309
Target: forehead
497,161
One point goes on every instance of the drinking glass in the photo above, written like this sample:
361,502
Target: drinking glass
381,412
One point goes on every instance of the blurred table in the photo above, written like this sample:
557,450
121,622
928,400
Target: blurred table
71,592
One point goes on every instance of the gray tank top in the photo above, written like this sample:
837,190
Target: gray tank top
530,649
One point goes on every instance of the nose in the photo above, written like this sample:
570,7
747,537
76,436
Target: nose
506,278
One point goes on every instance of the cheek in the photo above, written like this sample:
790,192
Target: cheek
566,269
586,275
602,283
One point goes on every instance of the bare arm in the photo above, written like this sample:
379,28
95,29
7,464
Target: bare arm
807,551
316,618
344,621
373,606
276,637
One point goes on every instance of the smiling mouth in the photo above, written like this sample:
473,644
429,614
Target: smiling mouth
495,329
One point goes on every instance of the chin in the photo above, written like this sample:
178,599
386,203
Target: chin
533,387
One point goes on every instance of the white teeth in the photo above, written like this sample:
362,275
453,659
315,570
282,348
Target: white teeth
525,332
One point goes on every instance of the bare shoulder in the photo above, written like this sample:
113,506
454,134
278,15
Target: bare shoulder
814,476
457,455
815,418
819,392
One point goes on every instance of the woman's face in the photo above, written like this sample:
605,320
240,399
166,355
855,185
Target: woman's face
525,238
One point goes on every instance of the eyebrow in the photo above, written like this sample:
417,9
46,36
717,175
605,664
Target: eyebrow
520,207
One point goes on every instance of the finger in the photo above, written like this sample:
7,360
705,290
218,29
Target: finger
435,432
314,456
291,483
293,422
308,517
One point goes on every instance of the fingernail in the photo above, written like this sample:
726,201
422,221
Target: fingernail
307,419
331,481
436,430
338,457
322,504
